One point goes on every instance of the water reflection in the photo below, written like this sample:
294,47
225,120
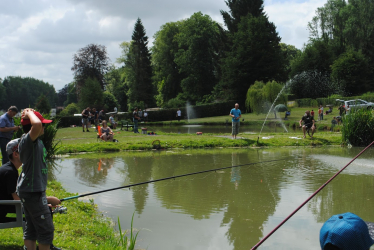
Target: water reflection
230,209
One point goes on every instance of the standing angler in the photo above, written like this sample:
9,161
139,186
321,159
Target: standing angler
236,114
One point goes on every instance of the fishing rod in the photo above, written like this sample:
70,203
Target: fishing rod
167,178
307,200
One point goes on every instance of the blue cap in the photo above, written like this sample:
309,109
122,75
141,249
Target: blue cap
346,231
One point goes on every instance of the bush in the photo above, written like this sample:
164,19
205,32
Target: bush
358,127
71,109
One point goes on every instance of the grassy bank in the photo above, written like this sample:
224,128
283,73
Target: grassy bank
82,227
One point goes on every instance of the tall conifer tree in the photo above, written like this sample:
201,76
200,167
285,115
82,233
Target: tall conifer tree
138,65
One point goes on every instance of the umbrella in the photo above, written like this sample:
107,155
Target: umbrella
280,108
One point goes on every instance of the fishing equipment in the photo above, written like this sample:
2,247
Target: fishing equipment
307,200
162,179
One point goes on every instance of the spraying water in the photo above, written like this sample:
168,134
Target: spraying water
190,112
271,108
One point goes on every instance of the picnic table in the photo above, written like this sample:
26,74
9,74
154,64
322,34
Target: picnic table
126,124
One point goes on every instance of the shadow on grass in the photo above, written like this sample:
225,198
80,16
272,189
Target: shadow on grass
10,247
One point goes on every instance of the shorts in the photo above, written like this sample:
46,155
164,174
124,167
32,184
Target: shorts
235,128
308,125
84,121
39,224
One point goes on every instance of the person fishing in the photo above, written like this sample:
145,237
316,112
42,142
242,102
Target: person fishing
308,123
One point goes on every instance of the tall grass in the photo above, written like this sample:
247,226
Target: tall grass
358,127
127,243
49,139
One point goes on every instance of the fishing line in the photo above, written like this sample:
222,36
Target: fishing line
167,178
307,200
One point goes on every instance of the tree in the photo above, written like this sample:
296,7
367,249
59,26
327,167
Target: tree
349,71
70,109
239,9
260,96
255,55
42,105
138,68
197,57
289,53
62,95
71,95
110,100
116,86
91,61
167,75
23,91
91,94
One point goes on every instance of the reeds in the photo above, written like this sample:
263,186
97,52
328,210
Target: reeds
127,243
358,127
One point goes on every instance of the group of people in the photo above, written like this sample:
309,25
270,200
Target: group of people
91,116
30,186
98,118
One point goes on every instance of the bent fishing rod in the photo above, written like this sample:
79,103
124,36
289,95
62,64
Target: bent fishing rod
307,200
167,178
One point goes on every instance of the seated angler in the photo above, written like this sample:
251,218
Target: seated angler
308,123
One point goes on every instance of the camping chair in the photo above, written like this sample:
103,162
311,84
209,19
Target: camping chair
19,215
99,133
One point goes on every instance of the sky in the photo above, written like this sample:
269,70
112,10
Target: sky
38,38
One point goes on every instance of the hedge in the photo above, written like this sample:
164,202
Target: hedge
205,110
308,102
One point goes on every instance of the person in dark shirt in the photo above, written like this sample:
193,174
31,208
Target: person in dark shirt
136,118
308,121
8,180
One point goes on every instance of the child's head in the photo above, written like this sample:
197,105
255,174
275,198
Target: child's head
345,231
26,123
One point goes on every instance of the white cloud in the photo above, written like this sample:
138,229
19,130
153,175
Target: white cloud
39,38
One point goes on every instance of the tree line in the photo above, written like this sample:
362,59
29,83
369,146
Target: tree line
201,61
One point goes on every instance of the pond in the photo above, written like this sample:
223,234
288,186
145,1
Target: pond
192,129
227,209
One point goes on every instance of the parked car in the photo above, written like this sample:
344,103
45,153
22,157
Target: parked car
358,103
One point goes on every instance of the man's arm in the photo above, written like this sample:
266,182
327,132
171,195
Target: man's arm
9,129
35,122
300,122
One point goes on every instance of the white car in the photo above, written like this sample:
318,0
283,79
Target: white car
358,103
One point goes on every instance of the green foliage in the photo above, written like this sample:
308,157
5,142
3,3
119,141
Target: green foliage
71,109
49,139
175,103
91,94
316,56
23,91
92,62
110,101
167,76
239,9
255,55
260,96
358,127
351,70
128,243
116,86
72,94
197,56
137,59
42,105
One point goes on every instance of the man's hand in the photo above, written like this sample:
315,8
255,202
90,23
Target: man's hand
16,128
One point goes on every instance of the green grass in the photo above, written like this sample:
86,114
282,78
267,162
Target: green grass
73,140
82,227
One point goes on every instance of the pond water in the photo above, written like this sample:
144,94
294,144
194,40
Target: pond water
192,129
228,209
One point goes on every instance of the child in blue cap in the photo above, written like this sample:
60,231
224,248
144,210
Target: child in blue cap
345,232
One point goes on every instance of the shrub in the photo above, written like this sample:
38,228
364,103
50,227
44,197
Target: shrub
71,109
358,127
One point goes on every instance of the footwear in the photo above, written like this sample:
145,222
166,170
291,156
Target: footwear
83,130
87,130
55,248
